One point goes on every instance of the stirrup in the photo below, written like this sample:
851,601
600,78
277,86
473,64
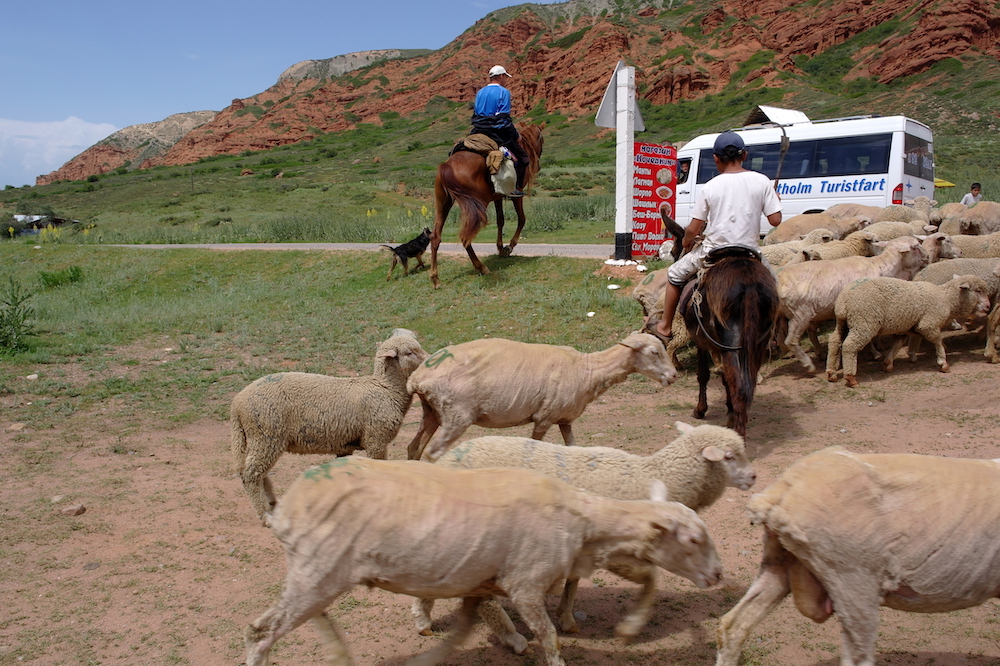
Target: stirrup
516,194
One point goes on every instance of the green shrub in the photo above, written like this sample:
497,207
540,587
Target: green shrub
569,40
60,277
15,312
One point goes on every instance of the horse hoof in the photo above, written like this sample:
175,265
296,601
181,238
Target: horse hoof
505,251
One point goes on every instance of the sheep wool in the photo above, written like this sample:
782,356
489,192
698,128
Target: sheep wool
301,412
695,468
889,306
499,383
978,247
989,270
850,532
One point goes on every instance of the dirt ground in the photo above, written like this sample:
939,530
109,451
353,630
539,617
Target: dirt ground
168,563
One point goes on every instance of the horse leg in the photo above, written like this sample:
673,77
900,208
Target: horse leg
498,205
519,208
478,265
704,372
442,206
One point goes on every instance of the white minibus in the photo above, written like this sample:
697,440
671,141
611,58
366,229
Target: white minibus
870,160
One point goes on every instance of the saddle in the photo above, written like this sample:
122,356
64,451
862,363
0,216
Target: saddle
483,145
725,251
499,161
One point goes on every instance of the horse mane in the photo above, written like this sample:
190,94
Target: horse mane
531,141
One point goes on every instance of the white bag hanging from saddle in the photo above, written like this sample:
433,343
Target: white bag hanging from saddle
505,179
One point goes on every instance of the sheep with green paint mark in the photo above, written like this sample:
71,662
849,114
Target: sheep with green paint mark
695,468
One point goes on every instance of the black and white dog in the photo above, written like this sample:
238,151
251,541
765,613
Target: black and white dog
413,249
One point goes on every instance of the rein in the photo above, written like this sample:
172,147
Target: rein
696,301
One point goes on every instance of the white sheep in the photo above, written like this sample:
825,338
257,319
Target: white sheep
780,254
807,291
983,218
989,270
978,247
498,383
301,412
799,225
696,468
845,210
889,306
414,528
857,244
847,533
944,216
917,216
939,246
886,230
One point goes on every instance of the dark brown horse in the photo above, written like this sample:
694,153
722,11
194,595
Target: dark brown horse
730,314
464,179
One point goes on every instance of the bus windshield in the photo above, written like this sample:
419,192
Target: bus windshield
841,156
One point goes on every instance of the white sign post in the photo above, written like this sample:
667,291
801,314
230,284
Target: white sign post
618,110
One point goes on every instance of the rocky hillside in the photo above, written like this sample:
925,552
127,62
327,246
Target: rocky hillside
339,65
562,56
132,146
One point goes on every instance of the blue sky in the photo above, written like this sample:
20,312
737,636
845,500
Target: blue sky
71,73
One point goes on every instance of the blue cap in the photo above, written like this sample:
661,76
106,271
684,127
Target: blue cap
727,139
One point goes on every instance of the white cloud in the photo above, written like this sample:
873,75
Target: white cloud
30,149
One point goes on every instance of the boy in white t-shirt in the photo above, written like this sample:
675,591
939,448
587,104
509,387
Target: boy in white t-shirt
728,212
974,195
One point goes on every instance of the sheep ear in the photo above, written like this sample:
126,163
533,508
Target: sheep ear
713,453
683,428
388,353
657,491
636,343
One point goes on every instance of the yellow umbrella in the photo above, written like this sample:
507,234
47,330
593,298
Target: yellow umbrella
941,182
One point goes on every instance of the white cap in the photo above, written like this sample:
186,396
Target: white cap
498,70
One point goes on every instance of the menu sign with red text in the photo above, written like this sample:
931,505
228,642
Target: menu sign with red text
652,194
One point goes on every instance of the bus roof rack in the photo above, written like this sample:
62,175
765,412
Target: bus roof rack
764,116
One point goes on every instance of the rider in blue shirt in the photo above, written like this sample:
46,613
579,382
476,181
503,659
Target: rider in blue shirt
491,117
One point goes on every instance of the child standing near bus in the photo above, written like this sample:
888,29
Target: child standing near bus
974,195
728,212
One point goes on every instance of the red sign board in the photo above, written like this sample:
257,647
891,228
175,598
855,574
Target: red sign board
653,188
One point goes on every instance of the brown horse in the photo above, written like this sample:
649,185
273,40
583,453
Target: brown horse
464,179
730,314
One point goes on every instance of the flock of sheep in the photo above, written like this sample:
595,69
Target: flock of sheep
520,518
848,264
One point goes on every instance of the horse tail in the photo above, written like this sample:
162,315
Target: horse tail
472,207
760,311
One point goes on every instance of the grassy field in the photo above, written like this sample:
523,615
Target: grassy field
224,315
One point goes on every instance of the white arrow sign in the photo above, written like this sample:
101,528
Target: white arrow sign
607,112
